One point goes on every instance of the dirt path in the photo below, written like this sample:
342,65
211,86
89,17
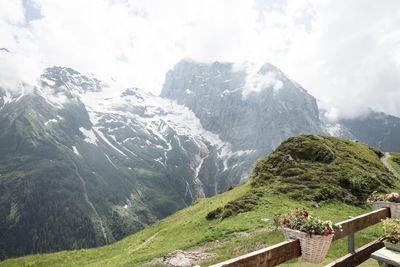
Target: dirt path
144,243
387,164
89,202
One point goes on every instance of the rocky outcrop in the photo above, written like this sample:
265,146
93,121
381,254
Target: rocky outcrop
186,258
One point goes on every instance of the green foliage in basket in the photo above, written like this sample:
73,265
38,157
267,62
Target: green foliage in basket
277,221
391,228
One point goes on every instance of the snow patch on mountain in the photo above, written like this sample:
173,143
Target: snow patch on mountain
90,137
57,119
334,129
75,150
100,133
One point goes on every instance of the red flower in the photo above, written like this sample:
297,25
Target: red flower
313,232
326,232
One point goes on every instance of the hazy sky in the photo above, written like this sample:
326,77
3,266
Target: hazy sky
346,53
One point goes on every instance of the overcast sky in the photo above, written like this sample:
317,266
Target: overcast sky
346,53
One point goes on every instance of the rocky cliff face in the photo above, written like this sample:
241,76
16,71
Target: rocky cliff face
252,108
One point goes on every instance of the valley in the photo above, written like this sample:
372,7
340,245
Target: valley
241,233
85,164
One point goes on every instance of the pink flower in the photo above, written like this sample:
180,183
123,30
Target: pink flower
396,195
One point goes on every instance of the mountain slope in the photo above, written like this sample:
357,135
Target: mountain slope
189,227
83,166
80,168
376,129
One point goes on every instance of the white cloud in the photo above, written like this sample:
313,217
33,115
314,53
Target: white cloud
18,62
345,53
16,69
352,57
257,81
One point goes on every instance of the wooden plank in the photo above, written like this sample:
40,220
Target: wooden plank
387,256
270,256
360,222
384,255
359,256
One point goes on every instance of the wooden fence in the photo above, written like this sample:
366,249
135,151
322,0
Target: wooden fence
287,250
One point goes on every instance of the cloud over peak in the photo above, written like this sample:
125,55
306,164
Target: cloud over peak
345,53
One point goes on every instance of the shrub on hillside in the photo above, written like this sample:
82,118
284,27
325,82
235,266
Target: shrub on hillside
242,204
214,214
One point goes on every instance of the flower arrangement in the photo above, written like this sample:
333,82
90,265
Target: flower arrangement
302,221
314,234
388,197
389,200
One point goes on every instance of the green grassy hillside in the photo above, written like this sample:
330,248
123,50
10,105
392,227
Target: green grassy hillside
319,168
242,232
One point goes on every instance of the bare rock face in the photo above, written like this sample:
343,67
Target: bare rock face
186,258
253,108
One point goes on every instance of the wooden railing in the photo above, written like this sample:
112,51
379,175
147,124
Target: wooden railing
287,250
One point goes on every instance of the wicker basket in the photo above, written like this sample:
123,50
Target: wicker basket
313,249
394,208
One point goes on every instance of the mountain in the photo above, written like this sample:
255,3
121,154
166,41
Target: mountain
257,107
238,234
103,165
376,129
80,167
253,108
84,163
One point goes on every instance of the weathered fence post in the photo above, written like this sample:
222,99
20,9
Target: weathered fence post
350,241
